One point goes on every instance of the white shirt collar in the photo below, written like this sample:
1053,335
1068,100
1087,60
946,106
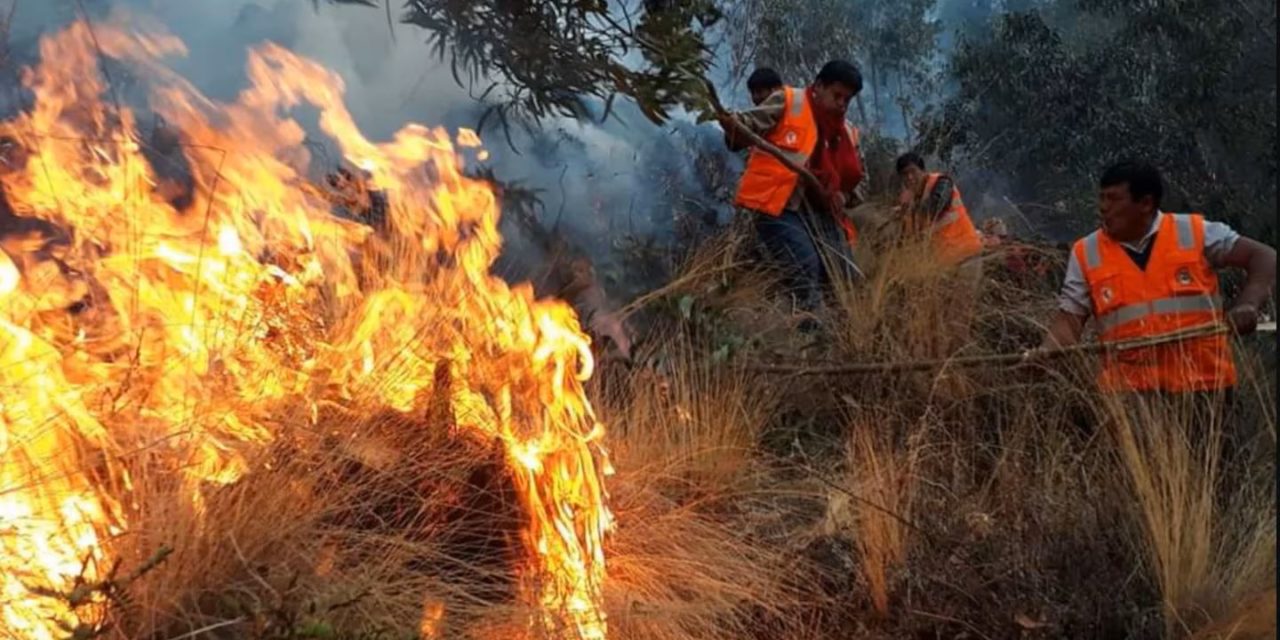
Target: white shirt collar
1141,244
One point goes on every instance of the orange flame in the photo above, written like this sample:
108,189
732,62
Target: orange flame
200,324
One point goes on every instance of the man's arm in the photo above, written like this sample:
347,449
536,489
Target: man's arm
1259,263
1074,308
1065,329
760,120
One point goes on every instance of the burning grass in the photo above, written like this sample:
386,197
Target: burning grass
247,418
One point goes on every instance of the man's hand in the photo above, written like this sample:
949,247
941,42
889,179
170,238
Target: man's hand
838,202
1243,318
1065,330
610,325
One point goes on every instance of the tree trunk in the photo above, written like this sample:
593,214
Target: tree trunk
875,92
902,104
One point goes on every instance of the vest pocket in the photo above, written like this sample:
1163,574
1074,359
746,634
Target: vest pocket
1187,278
1108,295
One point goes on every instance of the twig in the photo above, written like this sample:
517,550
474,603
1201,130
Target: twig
832,484
217,625
253,574
1004,359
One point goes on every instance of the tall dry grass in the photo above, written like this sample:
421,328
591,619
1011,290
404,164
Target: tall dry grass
1208,532
993,503
400,527
1004,502
873,505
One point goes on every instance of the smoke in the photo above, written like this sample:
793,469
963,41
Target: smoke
598,181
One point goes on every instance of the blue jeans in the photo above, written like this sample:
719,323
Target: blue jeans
790,245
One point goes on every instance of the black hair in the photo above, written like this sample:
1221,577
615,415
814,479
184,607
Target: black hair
842,71
764,78
1142,178
907,159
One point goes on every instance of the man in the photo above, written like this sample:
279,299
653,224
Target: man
932,206
1148,273
932,209
762,83
808,125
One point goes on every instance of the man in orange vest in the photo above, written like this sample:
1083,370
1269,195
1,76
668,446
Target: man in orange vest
808,125
1148,273
932,206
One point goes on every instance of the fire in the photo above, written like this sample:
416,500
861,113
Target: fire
134,320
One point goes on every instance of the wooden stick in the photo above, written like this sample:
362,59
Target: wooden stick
1004,359
714,100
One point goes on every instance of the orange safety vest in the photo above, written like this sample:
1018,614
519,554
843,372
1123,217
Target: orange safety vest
1178,290
767,184
953,231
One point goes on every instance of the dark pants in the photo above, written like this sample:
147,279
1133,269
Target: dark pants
789,240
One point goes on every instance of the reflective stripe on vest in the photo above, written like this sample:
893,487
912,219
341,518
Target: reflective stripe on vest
1181,304
797,104
1182,228
1092,254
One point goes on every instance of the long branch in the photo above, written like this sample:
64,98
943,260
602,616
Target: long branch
1005,359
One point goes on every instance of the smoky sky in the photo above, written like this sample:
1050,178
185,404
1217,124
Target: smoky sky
598,179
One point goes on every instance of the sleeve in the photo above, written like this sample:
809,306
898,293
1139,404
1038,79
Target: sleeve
1219,239
1074,296
937,202
733,141
762,118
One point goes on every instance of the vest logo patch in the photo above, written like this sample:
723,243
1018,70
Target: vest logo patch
1184,276
1106,294
791,137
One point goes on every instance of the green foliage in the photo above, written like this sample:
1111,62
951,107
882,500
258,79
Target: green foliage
893,42
547,57
1052,95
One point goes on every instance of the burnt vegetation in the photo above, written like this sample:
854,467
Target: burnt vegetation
753,498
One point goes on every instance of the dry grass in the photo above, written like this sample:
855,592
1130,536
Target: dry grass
873,505
693,501
997,504
364,534
1208,533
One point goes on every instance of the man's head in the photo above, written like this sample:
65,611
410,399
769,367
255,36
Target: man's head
1128,196
763,82
910,168
837,83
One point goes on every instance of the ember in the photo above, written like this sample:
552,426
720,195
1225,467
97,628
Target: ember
197,330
